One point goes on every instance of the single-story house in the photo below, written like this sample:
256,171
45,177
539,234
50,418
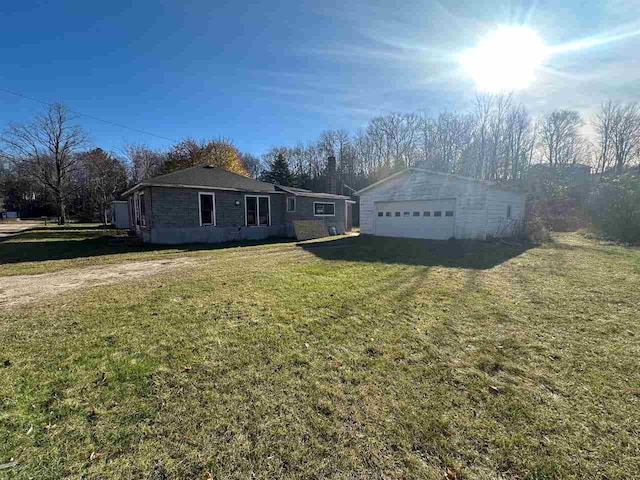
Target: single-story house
118,214
419,203
207,204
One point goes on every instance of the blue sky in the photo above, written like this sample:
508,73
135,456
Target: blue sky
269,73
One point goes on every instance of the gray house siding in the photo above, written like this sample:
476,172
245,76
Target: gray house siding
480,209
175,217
305,211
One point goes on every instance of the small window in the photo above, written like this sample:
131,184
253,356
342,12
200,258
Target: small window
437,213
388,214
426,214
381,214
416,214
321,209
291,204
406,214
207,209
508,211
448,213
397,214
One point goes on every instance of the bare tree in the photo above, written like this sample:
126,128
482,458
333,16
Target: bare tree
483,109
144,162
559,136
603,124
518,132
104,176
626,135
49,144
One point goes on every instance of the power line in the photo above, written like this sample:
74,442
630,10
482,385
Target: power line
88,116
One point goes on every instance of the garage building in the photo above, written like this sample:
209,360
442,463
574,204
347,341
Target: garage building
419,203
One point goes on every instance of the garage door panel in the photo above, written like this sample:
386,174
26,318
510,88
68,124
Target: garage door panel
430,219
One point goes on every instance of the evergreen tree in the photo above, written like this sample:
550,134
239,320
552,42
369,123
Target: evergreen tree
278,171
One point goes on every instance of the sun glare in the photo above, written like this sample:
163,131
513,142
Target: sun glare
506,59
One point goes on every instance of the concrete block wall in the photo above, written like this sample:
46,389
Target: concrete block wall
305,211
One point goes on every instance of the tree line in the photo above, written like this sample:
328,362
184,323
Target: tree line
498,140
47,165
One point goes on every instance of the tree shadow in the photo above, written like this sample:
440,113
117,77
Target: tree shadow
62,243
468,254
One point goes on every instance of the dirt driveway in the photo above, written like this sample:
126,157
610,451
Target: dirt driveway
18,290
21,289
8,229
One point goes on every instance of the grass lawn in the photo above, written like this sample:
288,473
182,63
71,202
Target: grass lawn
350,358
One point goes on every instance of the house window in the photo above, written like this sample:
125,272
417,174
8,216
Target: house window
321,209
257,210
508,211
448,213
291,204
437,213
405,214
143,211
207,208
380,214
132,212
388,214
416,214
397,214
426,214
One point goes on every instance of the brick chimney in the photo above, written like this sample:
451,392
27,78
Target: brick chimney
332,180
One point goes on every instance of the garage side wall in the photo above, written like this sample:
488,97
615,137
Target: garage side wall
498,223
471,200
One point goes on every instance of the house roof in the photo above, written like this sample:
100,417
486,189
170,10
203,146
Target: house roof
207,176
300,192
432,172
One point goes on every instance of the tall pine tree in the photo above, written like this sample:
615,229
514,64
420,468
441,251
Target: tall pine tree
278,171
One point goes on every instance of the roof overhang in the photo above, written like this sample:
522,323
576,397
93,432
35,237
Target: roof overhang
307,193
194,187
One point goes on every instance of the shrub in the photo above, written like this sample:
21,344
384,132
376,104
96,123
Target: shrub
537,228
614,206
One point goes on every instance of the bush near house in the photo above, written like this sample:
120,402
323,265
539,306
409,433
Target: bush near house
615,208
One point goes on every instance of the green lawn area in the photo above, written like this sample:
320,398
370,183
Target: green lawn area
347,358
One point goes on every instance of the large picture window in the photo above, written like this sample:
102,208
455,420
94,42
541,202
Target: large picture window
207,208
324,209
257,210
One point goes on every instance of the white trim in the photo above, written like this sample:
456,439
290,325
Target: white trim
211,194
143,218
294,204
136,211
257,197
324,214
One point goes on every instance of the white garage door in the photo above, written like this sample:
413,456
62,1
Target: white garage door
432,219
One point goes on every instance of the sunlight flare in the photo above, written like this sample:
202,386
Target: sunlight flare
506,59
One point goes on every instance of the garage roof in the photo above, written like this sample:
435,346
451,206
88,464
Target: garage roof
433,172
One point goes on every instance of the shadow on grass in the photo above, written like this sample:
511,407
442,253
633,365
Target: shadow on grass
62,243
469,254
